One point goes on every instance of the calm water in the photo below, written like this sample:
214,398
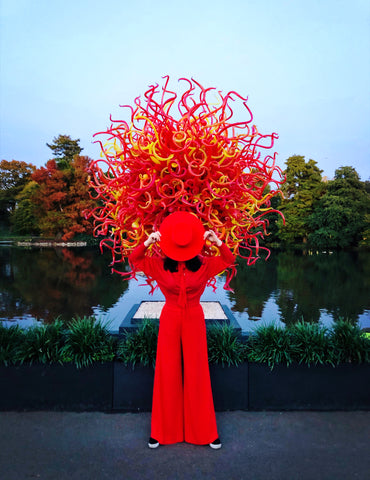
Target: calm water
41,284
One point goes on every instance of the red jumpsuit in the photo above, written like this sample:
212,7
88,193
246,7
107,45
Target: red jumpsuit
182,407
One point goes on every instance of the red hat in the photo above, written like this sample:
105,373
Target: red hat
182,236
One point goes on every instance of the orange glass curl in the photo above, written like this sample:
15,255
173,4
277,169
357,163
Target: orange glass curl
182,152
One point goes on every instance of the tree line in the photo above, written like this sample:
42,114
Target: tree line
321,213
50,201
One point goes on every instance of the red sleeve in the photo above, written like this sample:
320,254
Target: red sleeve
218,264
140,261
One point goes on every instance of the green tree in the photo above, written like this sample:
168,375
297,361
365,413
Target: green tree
64,149
13,177
367,186
341,216
273,218
302,189
25,219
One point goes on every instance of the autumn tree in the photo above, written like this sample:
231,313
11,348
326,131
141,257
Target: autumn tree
64,149
50,197
341,216
13,177
62,197
79,200
302,189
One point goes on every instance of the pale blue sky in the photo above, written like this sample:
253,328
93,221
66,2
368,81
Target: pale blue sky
304,64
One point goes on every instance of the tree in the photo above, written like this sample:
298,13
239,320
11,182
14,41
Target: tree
340,217
271,235
62,197
302,189
24,218
64,149
79,199
367,186
13,177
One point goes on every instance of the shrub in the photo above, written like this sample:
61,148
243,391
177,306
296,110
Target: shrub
139,346
88,340
43,344
224,346
349,345
270,344
10,338
310,343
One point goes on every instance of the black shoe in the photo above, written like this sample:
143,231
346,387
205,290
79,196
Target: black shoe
153,443
216,444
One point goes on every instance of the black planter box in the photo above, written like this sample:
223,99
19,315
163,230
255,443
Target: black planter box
112,386
299,387
56,387
229,387
132,388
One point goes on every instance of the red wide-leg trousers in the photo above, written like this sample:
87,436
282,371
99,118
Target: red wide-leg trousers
183,407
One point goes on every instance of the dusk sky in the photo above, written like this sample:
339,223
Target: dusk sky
304,65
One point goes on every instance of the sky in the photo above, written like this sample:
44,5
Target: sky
304,65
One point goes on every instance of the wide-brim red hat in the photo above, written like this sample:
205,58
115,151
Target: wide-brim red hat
182,236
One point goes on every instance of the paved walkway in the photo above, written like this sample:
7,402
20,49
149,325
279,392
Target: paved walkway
256,445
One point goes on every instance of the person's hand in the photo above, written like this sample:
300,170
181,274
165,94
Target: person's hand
153,238
212,237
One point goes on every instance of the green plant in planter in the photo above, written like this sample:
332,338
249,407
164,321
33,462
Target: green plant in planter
87,341
42,344
270,344
10,339
310,343
139,347
224,346
349,345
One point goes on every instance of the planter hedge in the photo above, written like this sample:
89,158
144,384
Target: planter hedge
81,367
115,387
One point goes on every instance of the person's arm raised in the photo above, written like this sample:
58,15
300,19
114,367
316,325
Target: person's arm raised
226,258
137,256
154,237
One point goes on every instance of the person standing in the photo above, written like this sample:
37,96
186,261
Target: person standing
182,408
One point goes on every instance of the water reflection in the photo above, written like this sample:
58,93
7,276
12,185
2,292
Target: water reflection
46,283
305,286
290,286
253,286
336,283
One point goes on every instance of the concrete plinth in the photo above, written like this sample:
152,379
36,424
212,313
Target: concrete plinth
214,312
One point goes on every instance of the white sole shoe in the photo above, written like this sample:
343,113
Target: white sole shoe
153,443
216,444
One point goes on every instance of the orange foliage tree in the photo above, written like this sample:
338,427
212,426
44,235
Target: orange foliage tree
62,197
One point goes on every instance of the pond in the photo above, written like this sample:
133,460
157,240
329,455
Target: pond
41,284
